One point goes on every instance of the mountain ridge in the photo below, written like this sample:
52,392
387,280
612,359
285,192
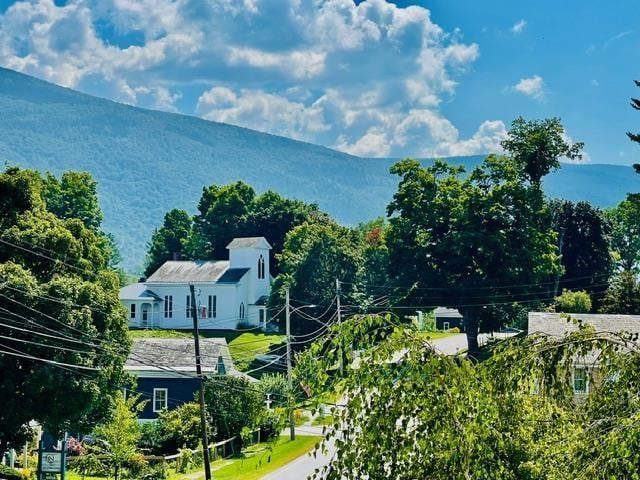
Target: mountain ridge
147,162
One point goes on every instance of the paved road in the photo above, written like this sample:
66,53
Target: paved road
305,465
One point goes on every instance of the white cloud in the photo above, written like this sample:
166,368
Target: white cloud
532,87
519,26
366,78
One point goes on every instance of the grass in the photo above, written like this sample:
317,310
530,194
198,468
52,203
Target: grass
321,421
256,461
435,335
243,346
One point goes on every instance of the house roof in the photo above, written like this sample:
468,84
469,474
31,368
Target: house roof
249,242
444,312
137,291
558,325
173,355
262,300
189,271
233,275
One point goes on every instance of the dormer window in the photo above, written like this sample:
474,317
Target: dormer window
261,267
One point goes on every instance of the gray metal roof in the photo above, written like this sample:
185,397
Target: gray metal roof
189,271
249,242
444,312
233,275
177,354
137,291
558,325
263,300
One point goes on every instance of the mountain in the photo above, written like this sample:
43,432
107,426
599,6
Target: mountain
147,162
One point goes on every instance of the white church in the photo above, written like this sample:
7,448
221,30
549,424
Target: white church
228,292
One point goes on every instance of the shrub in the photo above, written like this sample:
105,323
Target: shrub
276,385
7,473
271,424
573,302
454,330
89,464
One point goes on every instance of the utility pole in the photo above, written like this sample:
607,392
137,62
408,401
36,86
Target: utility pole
292,422
203,417
341,362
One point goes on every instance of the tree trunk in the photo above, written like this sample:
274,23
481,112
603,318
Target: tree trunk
471,329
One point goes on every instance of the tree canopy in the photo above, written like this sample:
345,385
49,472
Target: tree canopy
64,328
169,241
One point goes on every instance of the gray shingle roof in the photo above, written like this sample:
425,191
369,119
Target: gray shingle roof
249,242
189,271
177,354
444,312
557,325
233,275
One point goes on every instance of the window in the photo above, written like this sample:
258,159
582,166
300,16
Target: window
445,325
168,306
159,399
188,303
261,316
211,310
261,267
241,310
580,380
133,310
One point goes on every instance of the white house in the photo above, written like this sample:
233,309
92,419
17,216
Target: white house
228,292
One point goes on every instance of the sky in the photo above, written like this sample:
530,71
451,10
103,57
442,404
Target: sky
371,78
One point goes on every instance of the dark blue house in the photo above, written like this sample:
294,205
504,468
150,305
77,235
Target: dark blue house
166,373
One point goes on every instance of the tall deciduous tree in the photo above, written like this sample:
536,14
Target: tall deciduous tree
168,242
623,295
469,241
583,239
625,233
314,257
75,195
54,280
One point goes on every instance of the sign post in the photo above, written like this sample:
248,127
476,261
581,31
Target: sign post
51,462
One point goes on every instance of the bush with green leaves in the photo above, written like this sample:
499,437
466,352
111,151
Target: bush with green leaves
7,473
276,386
271,423
573,302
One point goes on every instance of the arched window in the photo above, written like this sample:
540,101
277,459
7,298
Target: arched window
242,310
261,267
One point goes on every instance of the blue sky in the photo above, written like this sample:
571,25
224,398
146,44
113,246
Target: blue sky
372,78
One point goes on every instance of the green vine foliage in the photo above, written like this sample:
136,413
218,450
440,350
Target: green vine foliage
412,413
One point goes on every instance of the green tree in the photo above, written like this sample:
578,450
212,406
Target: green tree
635,137
583,238
168,242
179,428
314,257
625,234
464,242
623,295
73,196
573,302
232,404
121,432
65,329
513,416
234,210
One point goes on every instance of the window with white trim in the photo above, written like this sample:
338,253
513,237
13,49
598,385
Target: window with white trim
168,306
133,310
261,267
242,310
160,399
262,316
580,380
212,306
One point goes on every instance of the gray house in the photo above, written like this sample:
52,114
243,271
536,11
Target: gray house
557,325
166,373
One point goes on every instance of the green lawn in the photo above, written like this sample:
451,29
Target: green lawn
257,460
243,346
435,335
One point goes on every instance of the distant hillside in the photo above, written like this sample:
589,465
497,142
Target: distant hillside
148,162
